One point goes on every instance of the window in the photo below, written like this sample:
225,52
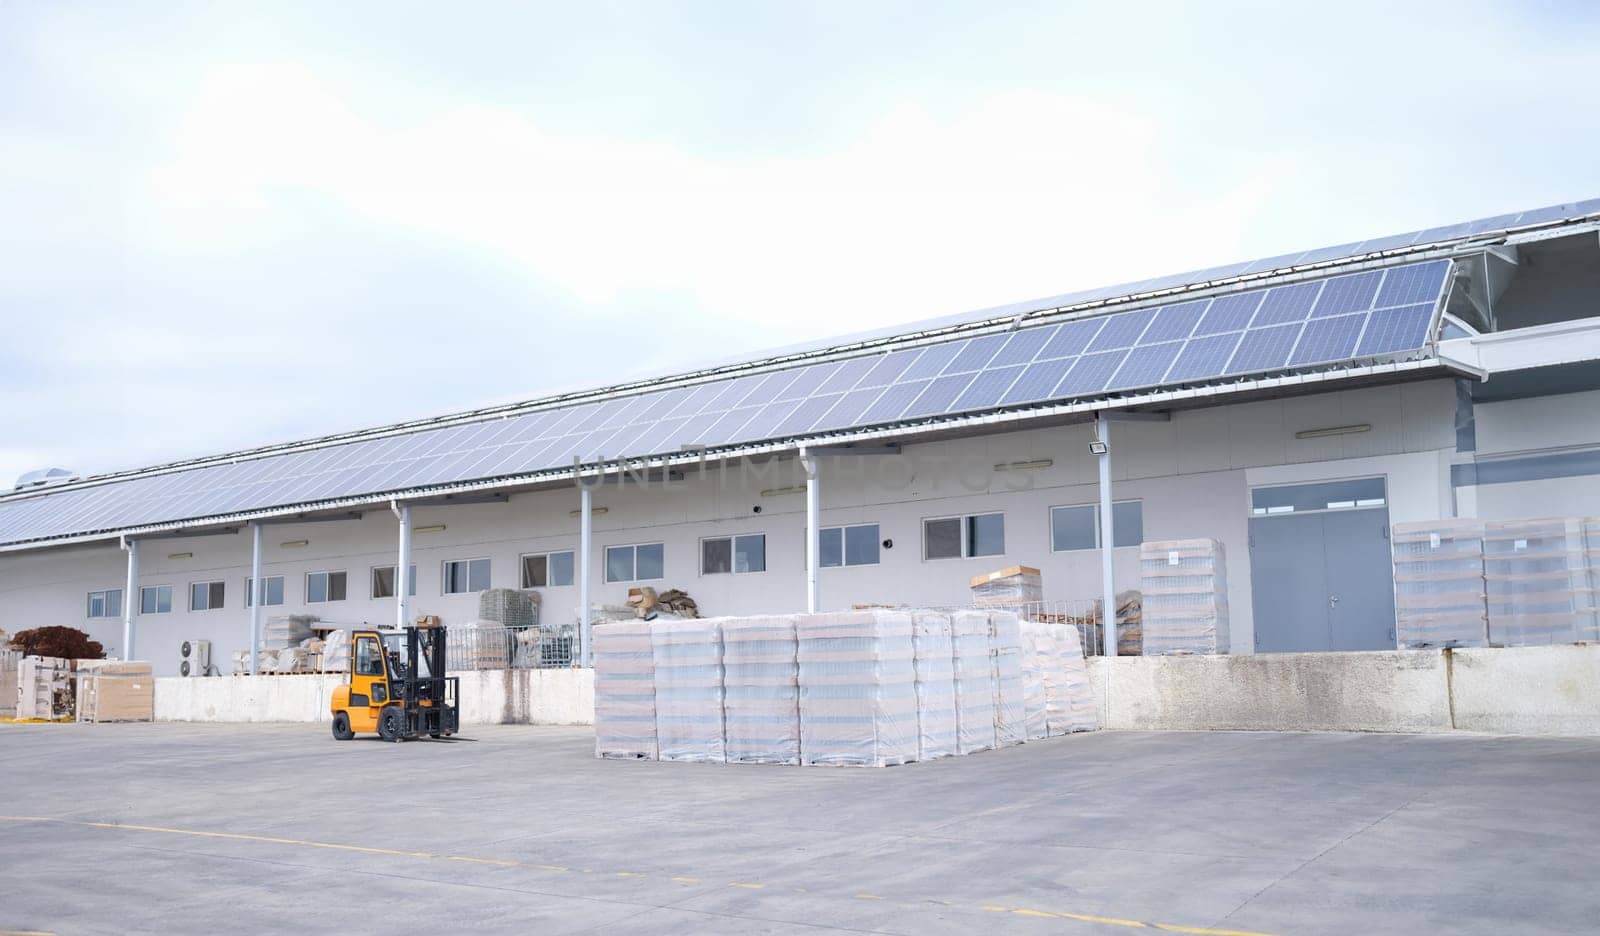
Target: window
970,536
383,582
849,545
106,604
325,586
1326,495
635,563
271,585
466,575
1073,528
746,553
205,596
155,599
547,570
369,657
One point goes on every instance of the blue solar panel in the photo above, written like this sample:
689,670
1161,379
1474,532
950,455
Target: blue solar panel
1122,330
1229,313
1145,366
1072,338
808,381
932,361
1038,381
1204,357
1329,339
727,429
938,396
1090,374
1413,284
1024,346
893,402
768,389
806,415
1286,304
889,367
1344,294
1404,328
1174,322
848,374
977,354
765,423
987,388
847,412
1264,349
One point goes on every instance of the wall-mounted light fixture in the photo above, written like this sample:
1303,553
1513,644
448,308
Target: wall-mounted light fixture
1333,431
435,528
188,555
294,544
1034,465
1098,447
593,512
784,491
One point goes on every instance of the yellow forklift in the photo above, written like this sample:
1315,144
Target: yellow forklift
397,686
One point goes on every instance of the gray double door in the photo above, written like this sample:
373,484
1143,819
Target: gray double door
1322,581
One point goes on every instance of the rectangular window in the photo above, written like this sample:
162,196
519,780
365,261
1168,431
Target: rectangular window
640,563
272,585
849,545
383,582
1322,495
325,586
969,536
155,599
466,575
737,554
106,604
547,570
1074,528
205,596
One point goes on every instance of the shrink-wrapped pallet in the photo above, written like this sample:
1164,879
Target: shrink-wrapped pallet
1439,594
115,691
1589,598
1038,658
336,652
1185,597
286,630
624,691
1535,577
1005,651
858,696
1010,587
689,700
1081,713
936,684
761,690
974,681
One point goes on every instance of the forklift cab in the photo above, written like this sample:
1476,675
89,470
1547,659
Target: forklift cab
397,686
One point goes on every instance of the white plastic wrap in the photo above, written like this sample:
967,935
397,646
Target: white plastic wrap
1082,714
1537,582
936,684
688,662
1038,656
624,691
975,681
858,698
1010,709
1440,598
761,690
1185,597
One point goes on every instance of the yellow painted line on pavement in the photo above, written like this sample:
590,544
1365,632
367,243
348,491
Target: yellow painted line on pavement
508,863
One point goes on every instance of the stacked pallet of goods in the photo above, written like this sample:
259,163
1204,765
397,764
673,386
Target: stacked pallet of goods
858,693
624,691
1185,597
688,680
115,691
761,687
1536,581
1439,591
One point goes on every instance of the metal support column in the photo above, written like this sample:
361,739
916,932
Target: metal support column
258,593
585,548
813,532
130,598
1108,586
402,567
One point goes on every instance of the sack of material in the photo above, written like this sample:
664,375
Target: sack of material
689,699
934,652
1005,648
1082,712
761,690
1038,657
974,680
624,691
858,697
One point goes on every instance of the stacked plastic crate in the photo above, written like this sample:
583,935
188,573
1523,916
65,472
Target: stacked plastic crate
1185,585
761,690
858,695
624,691
1440,599
1536,579
934,652
688,680
974,681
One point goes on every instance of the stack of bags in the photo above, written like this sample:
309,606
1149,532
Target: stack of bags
1440,600
761,690
624,691
858,694
688,680
1185,605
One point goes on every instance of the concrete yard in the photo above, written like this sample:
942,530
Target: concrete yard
276,828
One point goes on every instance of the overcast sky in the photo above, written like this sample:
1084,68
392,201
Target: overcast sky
229,224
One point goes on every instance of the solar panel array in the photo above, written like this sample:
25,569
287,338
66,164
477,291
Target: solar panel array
1338,319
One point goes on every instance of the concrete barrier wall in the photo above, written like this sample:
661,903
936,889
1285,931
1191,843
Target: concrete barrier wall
1527,690
488,697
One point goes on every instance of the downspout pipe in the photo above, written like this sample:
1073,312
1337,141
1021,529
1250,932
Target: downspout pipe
130,596
402,565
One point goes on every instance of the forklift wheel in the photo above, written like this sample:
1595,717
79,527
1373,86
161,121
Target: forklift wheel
341,727
391,725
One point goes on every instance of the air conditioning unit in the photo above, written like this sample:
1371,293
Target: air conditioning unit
194,658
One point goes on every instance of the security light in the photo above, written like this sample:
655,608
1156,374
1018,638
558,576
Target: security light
1098,447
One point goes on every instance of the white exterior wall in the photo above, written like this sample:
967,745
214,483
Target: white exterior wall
1534,426
1193,473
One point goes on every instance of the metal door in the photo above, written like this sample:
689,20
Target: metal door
1360,574
1289,583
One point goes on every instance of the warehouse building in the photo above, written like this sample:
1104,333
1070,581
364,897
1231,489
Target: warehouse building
1292,408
